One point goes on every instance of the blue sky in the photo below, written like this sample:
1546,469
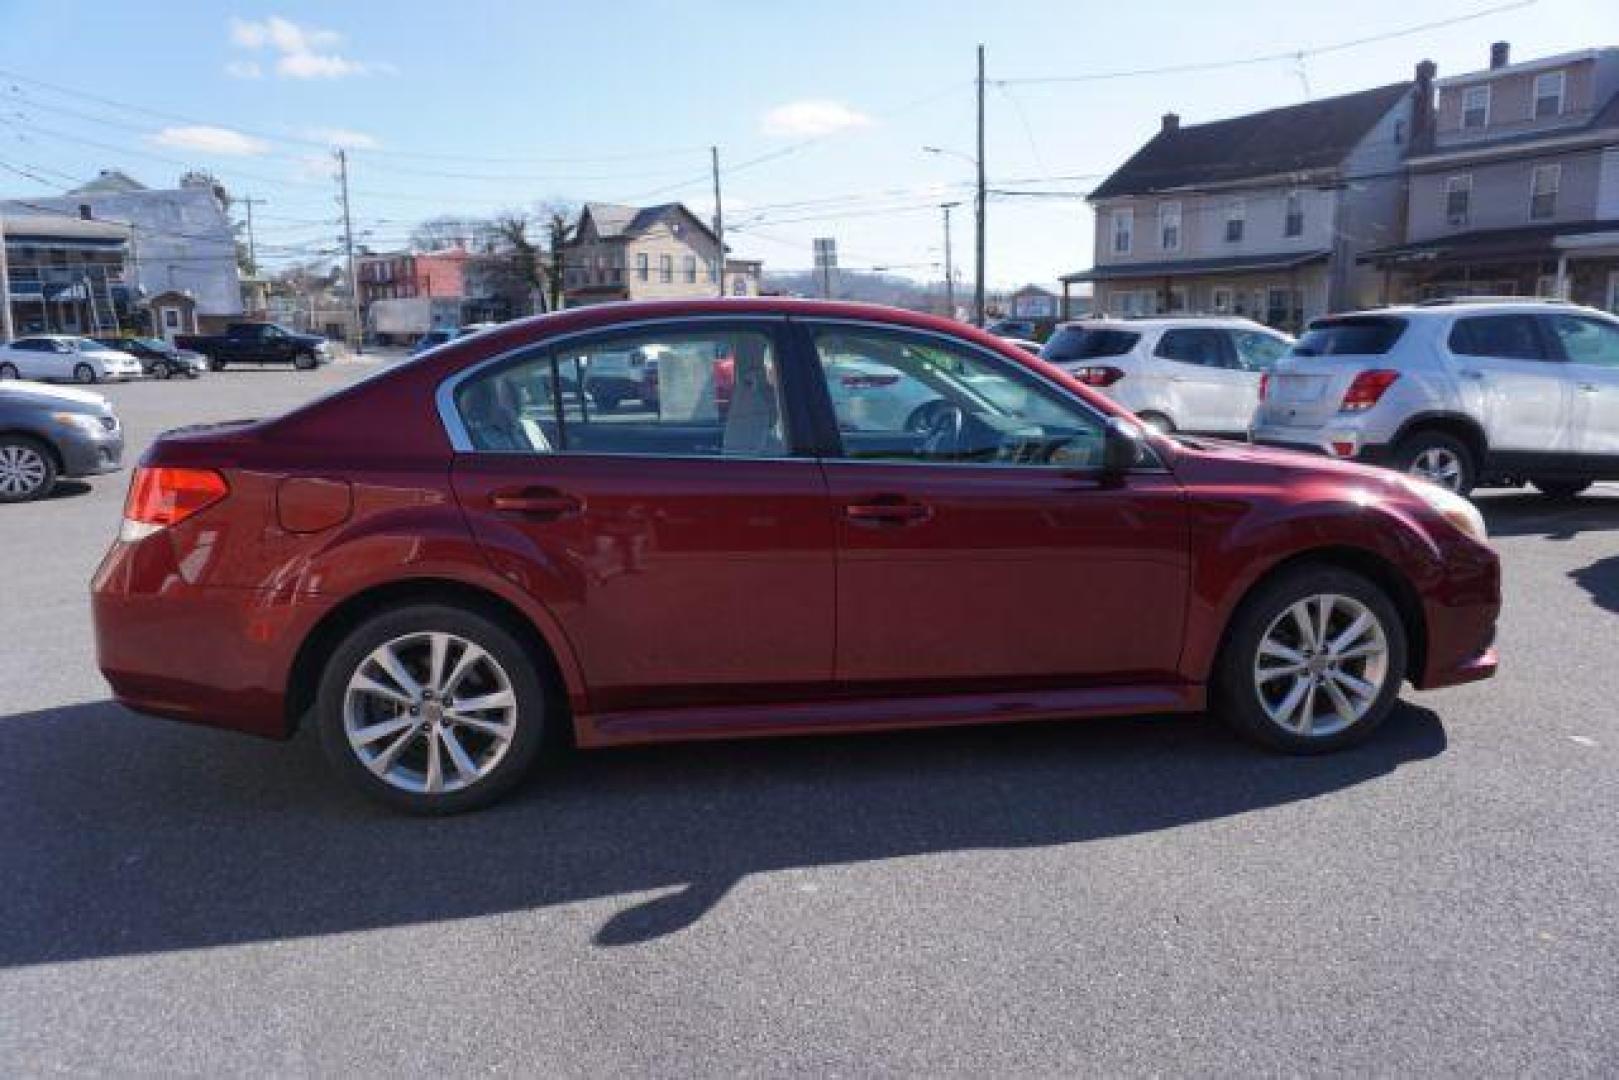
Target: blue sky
820,110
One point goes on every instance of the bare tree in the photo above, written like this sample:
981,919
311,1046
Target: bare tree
452,231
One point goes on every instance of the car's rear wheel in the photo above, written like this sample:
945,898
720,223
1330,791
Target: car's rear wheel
1312,662
8,371
1160,423
432,709
1560,489
160,370
1439,459
84,373
27,469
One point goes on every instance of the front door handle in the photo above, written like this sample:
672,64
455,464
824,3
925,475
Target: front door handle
887,510
1471,373
541,503
1588,388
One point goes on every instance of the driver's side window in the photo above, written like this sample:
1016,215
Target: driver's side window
903,396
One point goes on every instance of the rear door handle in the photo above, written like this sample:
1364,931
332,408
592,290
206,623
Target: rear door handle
1471,373
887,510
542,503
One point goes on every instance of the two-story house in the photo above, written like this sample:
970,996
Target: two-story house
405,275
66,274
1517,192
1263,215
660,252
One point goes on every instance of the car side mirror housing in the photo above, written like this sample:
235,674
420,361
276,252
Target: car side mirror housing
1124,446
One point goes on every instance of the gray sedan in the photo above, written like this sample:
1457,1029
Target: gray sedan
47,432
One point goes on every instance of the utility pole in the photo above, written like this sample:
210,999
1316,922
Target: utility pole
252,250
978,284
719,217
348,245
949,263
7,331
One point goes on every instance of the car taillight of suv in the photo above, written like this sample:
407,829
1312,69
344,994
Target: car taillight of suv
161,497
1098,374
1367,389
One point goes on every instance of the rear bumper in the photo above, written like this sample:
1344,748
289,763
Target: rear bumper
217,656
1366,453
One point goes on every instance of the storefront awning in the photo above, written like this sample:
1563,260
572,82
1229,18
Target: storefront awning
1524,242
1235,264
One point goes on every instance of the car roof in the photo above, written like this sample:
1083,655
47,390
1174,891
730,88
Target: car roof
1168,322
1471,306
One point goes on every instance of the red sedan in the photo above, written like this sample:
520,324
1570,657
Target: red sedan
450,566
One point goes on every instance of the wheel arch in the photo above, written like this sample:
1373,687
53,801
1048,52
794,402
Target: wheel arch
303,677
38,439
1457,425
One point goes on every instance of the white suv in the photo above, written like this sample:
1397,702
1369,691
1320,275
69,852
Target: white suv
1189,373
1459,392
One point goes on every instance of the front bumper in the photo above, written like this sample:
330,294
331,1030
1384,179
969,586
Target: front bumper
87,454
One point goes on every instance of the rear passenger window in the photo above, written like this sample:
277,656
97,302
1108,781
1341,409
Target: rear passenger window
1203,347
1506,337
682,394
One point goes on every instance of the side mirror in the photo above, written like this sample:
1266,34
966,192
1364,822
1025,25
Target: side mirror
1123,446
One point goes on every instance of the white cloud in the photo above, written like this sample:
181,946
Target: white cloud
244,69
304,52
809,118
345,137
211,140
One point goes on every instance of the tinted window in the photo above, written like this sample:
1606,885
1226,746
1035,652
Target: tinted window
1206,348
1370,336
711,393
1079,343
1256,351
1585,340
34,345
902,397
1510,337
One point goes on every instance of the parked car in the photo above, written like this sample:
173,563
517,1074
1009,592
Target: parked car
259,343
50,432
434,338
158,358
65,358
1024,329
1459,393
444,568
1176,373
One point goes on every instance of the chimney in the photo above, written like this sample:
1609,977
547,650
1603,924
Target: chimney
1499,54
1171,122
1422,108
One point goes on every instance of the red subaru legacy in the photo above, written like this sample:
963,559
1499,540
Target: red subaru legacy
451,566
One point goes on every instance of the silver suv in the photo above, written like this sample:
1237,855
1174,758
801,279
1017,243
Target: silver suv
1462,393
1196,374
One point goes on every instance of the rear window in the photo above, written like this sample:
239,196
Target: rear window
1079,343
1371,336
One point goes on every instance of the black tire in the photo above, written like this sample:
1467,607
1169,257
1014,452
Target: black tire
304,361
1560,489
216,365
533,716
160,370
1157,421
84,374
1236,696
923,417
9,371
1423,446
605,400
37,458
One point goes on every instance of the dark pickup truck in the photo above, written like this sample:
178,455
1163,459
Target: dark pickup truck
258,343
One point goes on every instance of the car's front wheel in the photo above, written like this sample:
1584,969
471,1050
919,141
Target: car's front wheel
160,370
84,373
1312,662
8,371
432,709
27,469
304,361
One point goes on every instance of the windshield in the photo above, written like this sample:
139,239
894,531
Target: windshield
1361,336
1082,343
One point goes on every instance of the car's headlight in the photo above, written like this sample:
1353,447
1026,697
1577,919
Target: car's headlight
82,421
1452,507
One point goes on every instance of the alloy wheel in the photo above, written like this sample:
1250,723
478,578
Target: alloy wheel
430,713
1438,465
1321,665
22,471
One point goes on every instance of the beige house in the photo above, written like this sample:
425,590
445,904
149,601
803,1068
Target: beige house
663,252
1517,192
1263,215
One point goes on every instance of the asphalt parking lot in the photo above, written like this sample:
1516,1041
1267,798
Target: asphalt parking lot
1098,898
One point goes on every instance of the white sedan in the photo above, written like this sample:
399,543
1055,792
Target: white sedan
65,358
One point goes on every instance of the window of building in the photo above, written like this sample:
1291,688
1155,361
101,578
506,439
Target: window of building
1293,221
1124,227
534,405
1220,300
666,268
641,266
1175,299
1458,199
713,269
1476,107
1284,308
690,268
1544,180
739,286
1169,226
1236,216
1549,94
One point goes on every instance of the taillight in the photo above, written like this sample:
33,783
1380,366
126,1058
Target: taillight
1264,385
1098,375
1367,390
868,382
162,497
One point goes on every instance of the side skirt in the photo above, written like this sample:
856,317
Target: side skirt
881,714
